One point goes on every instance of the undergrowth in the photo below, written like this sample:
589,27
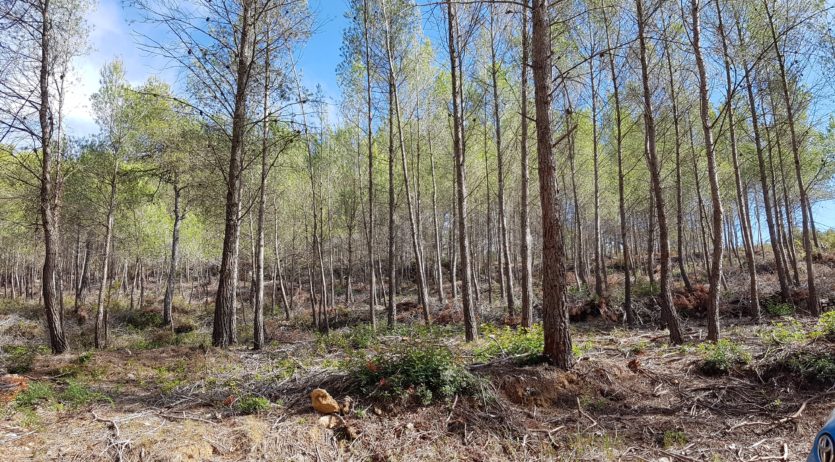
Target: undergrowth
721,357
422,373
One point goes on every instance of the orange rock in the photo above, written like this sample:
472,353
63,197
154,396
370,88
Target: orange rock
323,402
10,386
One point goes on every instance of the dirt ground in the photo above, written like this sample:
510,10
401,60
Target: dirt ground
631,396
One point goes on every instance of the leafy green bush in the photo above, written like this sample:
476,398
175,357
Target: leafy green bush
19,358
253,405
510,342
423,372
143,319
673,438
825,326
359,337
815,367
34,394
644,288
790,331
722,356
78,395
775,308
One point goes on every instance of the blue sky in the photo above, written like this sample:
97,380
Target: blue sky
112,36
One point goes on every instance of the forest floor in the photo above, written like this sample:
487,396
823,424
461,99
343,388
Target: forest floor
158,396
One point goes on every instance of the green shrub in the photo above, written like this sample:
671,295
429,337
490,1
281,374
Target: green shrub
359,337
815,367
19,358
775,308
253,405
34,394
510,342
644,288
673,438
423,372
78,395
790,331
143,319
825,326
722,356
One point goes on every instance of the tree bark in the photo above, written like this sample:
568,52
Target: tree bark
224,325
812,302
48,194
557,342
524,202
470,323
668,312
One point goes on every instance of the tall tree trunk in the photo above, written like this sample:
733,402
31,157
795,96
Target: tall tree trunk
557,344
224,325
258,302
599,269
168,299
741,197
679,208
704,111
104,290
668,312
812,301
437,235
423,292
48,192
392,306
524,206
470,323
627,277
505,251
372,283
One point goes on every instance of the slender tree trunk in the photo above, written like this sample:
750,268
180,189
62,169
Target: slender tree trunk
524,206
599,269
557,343
741,196
167,318
505,251
627,277
224,326
48,192
679,208
812,301
423,292
104,290
704,111
668,312
470,323
437,235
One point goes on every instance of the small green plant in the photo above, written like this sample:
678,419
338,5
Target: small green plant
673,438
253,405
143,319
722,356
79,395
825,326
639,347
580,349
784,332
85,357
775,308
19,358
815,367
644,288
36,393
510,342
423,372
